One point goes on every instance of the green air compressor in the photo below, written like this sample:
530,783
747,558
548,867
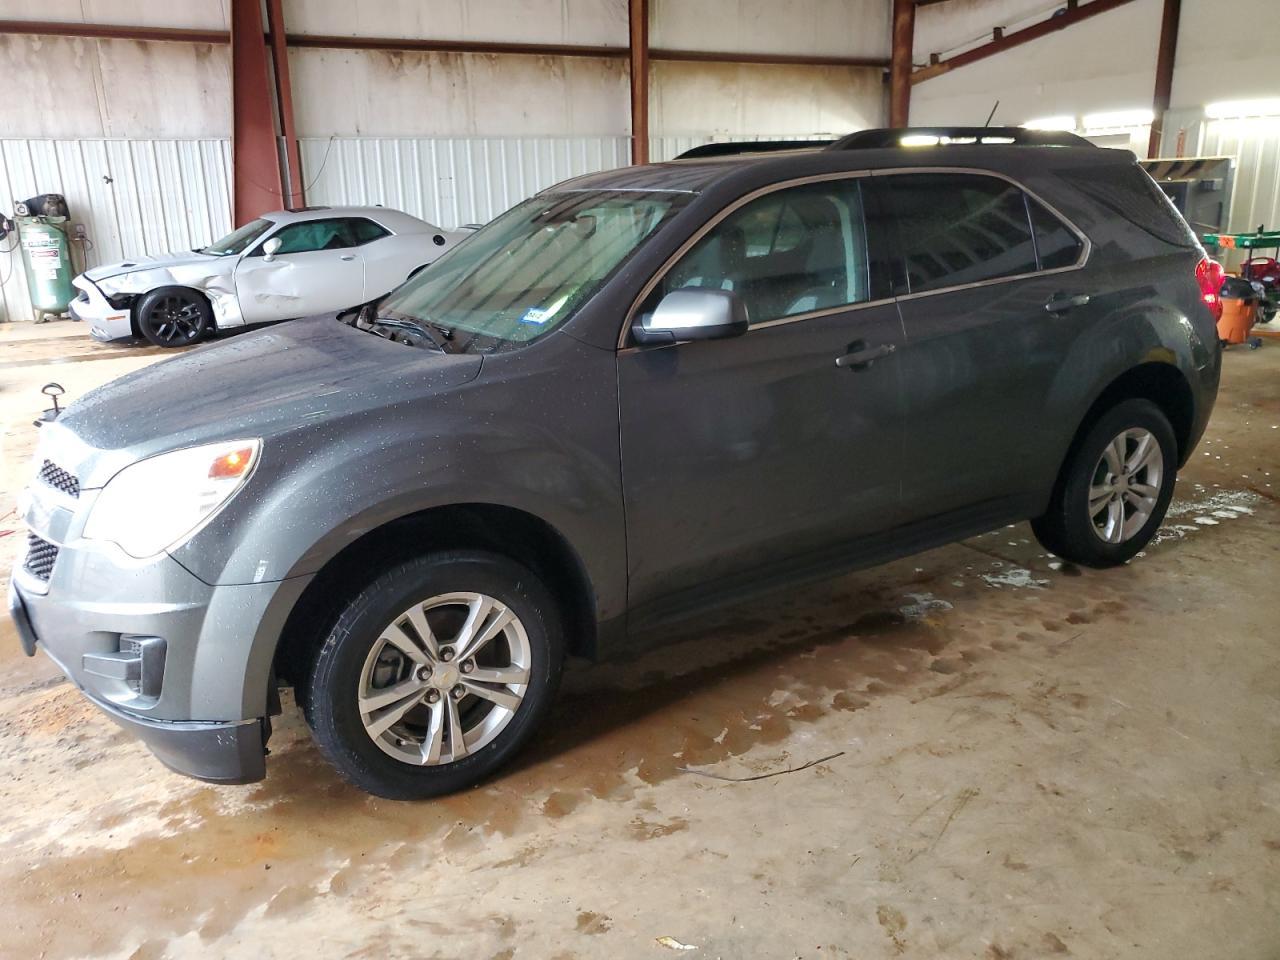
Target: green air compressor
43,228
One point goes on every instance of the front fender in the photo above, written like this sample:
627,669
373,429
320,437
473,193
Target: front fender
219,286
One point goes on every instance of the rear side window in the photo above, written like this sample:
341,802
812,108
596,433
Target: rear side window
1056,244
957,228
793,251
365,231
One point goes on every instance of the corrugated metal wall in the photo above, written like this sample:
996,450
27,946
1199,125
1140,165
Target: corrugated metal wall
1256,146
449,181
133,196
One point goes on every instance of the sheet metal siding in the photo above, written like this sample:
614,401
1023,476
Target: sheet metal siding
449,181
133,196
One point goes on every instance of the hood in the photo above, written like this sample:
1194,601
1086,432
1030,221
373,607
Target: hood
295,376
165,261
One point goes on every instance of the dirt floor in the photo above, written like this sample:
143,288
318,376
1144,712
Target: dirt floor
1017,760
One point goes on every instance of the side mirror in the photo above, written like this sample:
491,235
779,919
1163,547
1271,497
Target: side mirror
269,249
692,314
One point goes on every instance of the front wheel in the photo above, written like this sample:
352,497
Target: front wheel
1113,491
174,316
435,674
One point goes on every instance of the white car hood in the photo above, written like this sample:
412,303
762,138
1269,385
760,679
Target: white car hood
188,262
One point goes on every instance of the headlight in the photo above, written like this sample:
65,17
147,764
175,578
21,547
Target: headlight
162,501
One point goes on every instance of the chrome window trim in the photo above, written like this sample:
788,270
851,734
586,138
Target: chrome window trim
1086,250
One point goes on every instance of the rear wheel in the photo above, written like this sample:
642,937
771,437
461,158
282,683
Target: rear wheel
435,674
174,316
1113,492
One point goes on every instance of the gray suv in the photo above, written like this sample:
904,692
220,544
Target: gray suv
640,394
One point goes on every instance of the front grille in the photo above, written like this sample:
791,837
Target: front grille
54,476
40,557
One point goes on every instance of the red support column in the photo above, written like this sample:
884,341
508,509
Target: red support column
1165,60
638,14
904,29
255,161
294,192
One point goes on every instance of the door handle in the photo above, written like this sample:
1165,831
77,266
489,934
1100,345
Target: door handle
348,257
1061,303
864,356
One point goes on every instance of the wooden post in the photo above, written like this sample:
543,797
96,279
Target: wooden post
638,14
904,28
1165,61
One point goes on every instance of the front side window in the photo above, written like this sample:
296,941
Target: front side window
312,235
525,273
790,252
957,228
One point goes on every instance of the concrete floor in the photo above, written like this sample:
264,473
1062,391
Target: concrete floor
1022,761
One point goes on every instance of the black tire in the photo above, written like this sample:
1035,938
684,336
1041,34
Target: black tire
1066,528
174,316
335,679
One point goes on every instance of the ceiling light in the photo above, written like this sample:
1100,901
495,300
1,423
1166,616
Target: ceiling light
1051,123
1242,108
1118,120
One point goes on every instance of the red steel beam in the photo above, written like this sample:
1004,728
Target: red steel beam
904,29
106,31
295,193
412,45
1073,15
1165,59
255,161
638,40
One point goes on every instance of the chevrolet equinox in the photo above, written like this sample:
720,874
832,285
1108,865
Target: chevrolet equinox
639,394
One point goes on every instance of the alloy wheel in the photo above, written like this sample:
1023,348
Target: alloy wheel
1126,485
175,319
444,678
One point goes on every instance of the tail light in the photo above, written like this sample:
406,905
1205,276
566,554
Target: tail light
1210,276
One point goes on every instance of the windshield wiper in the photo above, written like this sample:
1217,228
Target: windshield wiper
368,319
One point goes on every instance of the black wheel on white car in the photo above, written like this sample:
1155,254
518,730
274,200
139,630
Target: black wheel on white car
1114,489
174,316
435,674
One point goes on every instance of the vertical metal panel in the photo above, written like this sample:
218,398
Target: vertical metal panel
134,197
1256,146
449,180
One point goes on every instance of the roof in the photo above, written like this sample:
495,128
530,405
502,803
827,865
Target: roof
397,221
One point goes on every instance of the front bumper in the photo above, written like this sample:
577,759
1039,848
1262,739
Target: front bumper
230,752
105,321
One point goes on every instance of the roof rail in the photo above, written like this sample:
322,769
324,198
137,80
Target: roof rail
732,148
931,136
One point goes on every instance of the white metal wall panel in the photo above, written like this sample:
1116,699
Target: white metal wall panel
1256,146
668,148
449,181
133,196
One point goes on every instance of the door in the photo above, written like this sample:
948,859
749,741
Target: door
744,459
318,269
983,263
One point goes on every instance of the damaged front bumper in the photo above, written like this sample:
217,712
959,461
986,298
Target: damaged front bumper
105,321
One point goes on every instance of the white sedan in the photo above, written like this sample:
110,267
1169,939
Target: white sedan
282,265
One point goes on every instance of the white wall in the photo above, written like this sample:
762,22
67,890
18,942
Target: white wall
850,28
1226,51
1102,64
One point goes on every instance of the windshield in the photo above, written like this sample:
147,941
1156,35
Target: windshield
238,240
526,272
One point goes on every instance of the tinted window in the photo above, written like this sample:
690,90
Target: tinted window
1056,245
365,231
314,235
1129,192
789,252
961,228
